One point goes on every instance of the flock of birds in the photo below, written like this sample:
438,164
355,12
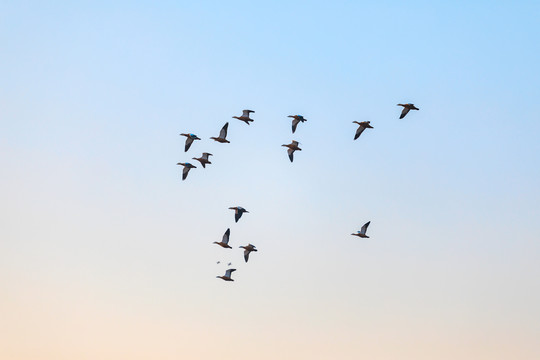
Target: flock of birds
291,148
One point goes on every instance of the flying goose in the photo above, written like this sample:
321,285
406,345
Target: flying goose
189,140
245,116
238,211
225,241
292,148
406,108
187,167
227,276
362,232
247,249
222,135
296,119
361,127
204,159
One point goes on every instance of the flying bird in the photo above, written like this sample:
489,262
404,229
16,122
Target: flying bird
229,264
247,249
292,148
245,116
238,211
204,159
218,262
406,108
222,135
227,276
187,167
225,240
296,119
361,127
189,140
362,232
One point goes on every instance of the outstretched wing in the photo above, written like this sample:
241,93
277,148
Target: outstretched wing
229,272
226,236
189,141
205,155
223,132
404,112
246,254
290,152
294,124
185,172
245,113
359,131
295,143
237,215
364,228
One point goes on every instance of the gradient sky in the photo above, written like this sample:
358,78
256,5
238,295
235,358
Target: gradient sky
106,254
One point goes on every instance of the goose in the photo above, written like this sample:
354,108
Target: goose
296,119
245,116
187,167
225,241
406,108
189,140
238,211
247,249
222,135
204,159
292,148
362,232
361,127
227,276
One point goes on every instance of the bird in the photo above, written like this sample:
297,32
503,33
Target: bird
238,211
225,240
406,108
227,276
187,167
218,262
245,116
229,264
296,119
361,127
362,232
292,148
247,249
204,159
222,135
189,140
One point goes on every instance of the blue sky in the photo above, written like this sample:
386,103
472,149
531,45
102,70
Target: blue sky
102,240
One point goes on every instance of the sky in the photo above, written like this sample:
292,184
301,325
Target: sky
105,253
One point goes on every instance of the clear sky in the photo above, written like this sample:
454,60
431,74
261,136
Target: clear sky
106,254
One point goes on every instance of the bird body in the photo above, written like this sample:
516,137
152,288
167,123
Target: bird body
406,108
187,166
204,159
247,250
224,243
189,140
296,120
293,146
238,211
227,276
361,127
245,116
362,232
222,135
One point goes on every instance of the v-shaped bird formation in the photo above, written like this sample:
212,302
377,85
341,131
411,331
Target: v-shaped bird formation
291,148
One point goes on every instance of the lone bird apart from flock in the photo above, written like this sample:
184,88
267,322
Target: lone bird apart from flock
189,140
361,127
296,119
247,249
293,146
187,166
225,241
222,135
362,232
245,116
406,108
204,159
227,276
238,211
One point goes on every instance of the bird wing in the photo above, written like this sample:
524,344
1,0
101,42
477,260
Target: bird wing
290,152
237,215
223,132
185,172
229,272
404,112
359,131
205,156
295,143
226,236
294,124
364,228
245,113
246,254
189,141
